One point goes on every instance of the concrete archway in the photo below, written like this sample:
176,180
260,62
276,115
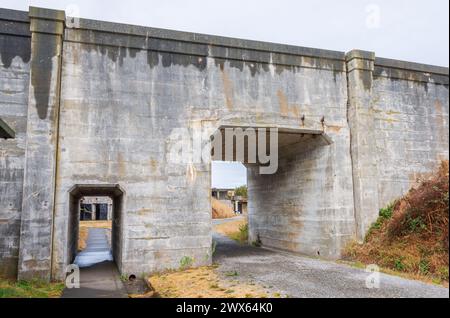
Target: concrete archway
284,208
116,193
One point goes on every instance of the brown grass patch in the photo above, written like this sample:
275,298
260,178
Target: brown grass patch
236,230
203,282
84,230
221,210
412,235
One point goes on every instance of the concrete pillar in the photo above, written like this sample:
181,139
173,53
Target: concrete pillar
360,67
47,28
93,210
110,210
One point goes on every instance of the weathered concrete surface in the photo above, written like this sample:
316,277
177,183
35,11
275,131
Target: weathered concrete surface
303,277
398,115
123,93
14,84
99,281
410,110
42,133
307,206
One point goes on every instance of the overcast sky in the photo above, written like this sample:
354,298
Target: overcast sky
412,30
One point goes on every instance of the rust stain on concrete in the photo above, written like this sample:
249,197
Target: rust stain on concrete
285,108
334,129
153,165
228,90
121,165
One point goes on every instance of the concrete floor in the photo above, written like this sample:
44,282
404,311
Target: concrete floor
303,277
98,281
99,277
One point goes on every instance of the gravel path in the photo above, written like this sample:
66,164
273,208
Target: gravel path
299,277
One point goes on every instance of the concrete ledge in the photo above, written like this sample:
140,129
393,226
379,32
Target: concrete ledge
13,22
411,66
119,28
47,21
139,42
47,14
47,26
14,15
6,132
410,75
360,54
15,28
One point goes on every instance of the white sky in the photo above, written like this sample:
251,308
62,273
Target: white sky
412,30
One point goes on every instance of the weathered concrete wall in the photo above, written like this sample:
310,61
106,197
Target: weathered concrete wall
410,105
307,206
398,115
42,133
124,94
107,101
14,82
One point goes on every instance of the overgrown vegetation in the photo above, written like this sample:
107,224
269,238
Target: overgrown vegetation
29,289
411,236
236,230
220,210
241,236
241,191
186,262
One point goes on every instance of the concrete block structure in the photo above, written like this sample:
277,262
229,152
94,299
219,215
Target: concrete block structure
96,108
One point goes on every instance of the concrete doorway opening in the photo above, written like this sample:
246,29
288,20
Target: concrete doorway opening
283,209
229,202
95,224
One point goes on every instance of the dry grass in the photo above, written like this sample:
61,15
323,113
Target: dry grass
236,230
221,210
84,229
411,236
204,282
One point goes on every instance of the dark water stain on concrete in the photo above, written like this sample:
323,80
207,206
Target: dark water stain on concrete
44,50
366,78
12,46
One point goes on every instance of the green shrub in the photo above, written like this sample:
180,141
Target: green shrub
443,273
384,215
186,262
398,264
424,266
242,235
415,224
241,191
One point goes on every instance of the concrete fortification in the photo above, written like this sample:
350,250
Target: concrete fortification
96,109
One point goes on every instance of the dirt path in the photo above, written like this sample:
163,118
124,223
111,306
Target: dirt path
297,276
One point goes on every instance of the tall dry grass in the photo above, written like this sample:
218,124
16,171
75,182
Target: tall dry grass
412,236
221,210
